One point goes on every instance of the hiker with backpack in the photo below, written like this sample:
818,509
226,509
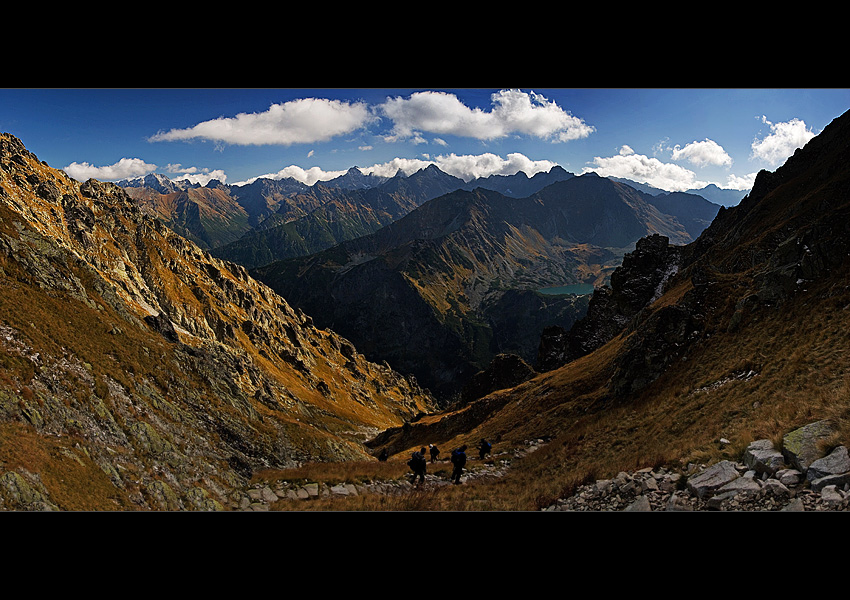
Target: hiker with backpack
435,452
484,449
418,464
459,461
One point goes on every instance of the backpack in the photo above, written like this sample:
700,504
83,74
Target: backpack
416,461
458,458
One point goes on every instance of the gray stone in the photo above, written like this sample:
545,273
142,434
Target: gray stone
713,478
762,457
742,485
774,487
641,504
796,505
800,447
789,476
834,463
340,490
267,495
649,484
831,497
717,501
839,480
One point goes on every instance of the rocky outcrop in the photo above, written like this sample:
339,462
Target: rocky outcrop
761,481
506,371
635,284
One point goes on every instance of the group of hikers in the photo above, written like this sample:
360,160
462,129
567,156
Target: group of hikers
418,462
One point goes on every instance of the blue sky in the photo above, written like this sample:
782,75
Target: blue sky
674,139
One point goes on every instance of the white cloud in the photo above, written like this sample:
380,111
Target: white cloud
514,112
703,153
736,182
202,177
784,139
308,176
468,167
465,167
643,169
407,166
305,120
126,168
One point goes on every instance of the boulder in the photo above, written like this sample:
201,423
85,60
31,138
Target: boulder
835,463
713,478
762,457
841,480
641,504
741,485
800,447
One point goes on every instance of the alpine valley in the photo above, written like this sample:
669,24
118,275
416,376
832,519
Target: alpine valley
168,346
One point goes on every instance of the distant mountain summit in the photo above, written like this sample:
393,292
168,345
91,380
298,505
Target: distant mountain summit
442,290
355,179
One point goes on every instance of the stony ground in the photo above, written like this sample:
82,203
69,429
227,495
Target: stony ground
644,490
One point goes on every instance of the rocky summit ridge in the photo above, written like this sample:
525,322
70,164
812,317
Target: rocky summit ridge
162,376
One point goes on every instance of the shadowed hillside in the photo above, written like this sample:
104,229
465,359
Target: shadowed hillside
746,340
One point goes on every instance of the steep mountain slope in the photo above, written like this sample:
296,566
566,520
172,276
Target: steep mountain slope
138,372
209,217
427,293
744,340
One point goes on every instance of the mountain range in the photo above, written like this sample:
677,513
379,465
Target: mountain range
274,219
443,290
140,372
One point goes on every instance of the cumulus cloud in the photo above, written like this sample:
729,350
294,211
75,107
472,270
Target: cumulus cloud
783,140
126,168
465,167
307,176
514,112
469,167
735,182
707,152
202,176
407,166
643,169
304,120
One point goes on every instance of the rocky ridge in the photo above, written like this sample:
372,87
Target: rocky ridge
167,375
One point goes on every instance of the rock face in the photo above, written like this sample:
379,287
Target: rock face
161,373
637,282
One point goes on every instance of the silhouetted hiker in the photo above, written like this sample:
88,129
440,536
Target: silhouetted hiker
459,461
434,453
384,455
483,449
417,464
